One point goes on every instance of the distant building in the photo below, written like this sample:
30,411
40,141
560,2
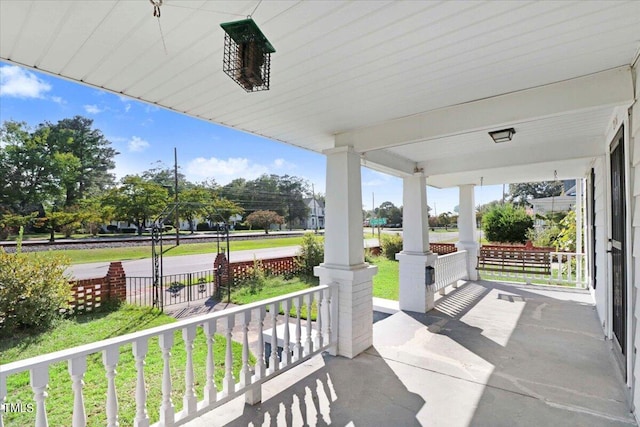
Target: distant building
544,206
315,217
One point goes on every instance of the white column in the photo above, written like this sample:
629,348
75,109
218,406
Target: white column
344,252
579,222
467,231
415,255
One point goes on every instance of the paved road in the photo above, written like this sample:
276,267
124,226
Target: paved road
192,263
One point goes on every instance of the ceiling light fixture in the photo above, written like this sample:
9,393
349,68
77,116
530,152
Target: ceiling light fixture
247,55
502,135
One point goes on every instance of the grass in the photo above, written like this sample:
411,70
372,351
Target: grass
95,327
386,284
274,287
81,256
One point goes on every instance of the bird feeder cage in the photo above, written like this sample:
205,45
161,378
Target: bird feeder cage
247,55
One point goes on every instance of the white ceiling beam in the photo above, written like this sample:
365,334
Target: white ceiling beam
607,88
388,163
513,156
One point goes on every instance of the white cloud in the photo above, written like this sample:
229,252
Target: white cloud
279,164
92,109
58,100
225,171
20,83
137,144
127,108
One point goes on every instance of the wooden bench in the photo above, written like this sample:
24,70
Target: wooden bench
514,261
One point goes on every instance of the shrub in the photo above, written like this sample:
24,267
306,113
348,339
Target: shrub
202,226
256,277
506,224
391,244
311,254
33,290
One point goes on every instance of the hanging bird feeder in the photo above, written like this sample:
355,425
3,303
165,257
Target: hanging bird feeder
247,55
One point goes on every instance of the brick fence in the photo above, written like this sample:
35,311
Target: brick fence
89,294
443,248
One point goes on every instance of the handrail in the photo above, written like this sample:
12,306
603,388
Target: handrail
303,345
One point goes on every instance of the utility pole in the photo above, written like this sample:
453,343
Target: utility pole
175,191
315,214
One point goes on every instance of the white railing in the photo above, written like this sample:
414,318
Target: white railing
308,340
568,268
449,269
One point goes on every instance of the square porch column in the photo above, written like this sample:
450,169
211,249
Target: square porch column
467,230
344,252
415,256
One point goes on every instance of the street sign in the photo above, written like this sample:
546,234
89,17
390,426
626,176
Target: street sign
374,222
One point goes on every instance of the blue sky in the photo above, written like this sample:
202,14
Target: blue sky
144,135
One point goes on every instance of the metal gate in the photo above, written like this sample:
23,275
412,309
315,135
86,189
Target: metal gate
174,288
618,241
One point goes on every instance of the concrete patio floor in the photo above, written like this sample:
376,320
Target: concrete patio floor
490,354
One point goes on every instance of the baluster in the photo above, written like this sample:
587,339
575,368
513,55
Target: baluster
274,362
167,410
245,371
299,349
286,348
140,348
334,294
77,368
210,391
189,400
39,381
229,381
319,319
3,396
309,341
326,320
110,357
260,365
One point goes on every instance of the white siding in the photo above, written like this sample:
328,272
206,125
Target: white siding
634,209
600,293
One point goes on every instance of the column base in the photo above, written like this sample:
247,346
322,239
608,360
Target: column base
414,294
355,305
473,249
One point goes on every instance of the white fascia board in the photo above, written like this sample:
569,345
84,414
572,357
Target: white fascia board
388,163
607,88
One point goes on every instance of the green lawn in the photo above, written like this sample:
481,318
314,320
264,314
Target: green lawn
386,282
81,256
91,328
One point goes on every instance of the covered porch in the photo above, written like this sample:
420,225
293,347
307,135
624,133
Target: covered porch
489,354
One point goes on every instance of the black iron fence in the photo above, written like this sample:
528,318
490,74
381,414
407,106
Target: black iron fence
174,288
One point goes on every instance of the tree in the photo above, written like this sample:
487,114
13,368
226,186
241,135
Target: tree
507,223
89,157
94,212
390,211
520,194
164,176
137,200
29,170
264,219
444,219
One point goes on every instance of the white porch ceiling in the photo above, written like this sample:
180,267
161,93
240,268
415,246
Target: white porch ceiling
343,66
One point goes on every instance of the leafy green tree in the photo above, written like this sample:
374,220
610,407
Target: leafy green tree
445,219
137,200
390,211
507,223
88,160
94,212
520,194
193,204
311,254
29,168
164,176
264,219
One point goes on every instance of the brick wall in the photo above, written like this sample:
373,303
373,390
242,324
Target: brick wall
89,294
443,248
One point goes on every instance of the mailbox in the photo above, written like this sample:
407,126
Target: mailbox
429,275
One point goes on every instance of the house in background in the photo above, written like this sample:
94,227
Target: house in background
545,206
315,217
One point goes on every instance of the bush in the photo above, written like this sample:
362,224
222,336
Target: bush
506,224
256,277
311,254
33,290
202,226
391,244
